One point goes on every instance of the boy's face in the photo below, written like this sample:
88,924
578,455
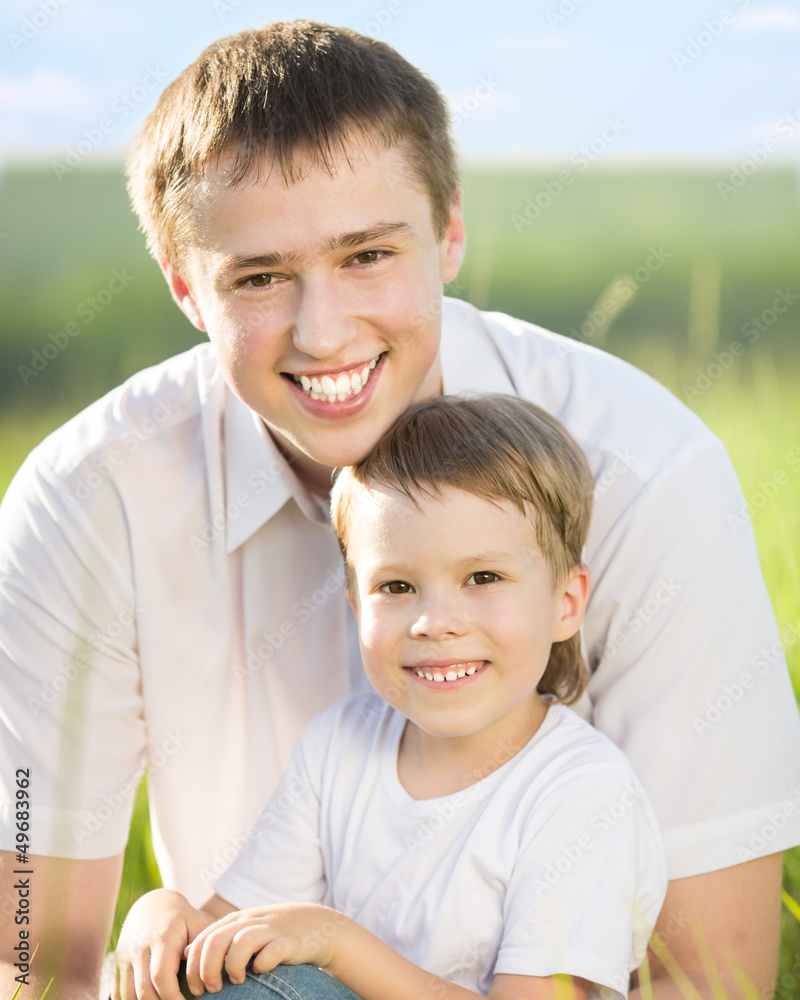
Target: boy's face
322,298
458,591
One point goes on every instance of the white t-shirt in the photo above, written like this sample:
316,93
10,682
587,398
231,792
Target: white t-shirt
550,863
163,576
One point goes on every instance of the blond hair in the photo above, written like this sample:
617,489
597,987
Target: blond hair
502,449
273,95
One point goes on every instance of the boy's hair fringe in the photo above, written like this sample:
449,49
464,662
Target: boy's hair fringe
499,448
275,95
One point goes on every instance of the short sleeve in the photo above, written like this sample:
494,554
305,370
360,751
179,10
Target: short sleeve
690,679
588,884
70,688
282,858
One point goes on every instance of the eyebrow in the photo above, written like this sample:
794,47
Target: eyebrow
344,241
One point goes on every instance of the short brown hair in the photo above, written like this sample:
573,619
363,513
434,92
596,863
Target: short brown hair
267,96
499,448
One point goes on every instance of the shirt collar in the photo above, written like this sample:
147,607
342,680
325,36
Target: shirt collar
259,480
471,362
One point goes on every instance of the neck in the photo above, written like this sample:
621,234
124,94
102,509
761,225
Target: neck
313,475
430,766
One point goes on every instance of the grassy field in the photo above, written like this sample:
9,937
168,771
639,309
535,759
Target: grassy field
649,264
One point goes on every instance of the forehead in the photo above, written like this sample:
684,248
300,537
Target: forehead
384,522
362,185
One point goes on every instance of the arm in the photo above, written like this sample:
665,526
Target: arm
308,933
155,934
70,951
737,911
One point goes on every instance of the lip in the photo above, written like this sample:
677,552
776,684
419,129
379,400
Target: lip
356,366
340,410
442,665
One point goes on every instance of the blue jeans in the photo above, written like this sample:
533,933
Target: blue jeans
286,982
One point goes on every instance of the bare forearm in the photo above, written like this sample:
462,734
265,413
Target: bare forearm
374,971
62,925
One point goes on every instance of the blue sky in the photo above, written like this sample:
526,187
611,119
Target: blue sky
686,78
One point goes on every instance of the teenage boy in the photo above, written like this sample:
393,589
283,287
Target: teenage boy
473,837
297,184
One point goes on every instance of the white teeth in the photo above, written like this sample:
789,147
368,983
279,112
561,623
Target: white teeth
340,388
454,673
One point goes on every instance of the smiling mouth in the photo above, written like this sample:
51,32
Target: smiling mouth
453,673
337,386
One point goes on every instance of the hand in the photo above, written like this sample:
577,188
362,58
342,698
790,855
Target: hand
156,931
286,933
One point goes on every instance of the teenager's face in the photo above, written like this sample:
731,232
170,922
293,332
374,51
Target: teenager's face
457,610
322,298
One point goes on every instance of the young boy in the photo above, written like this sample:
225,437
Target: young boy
471,829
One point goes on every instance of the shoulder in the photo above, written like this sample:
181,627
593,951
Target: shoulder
609,406
574,747
350,723
139,411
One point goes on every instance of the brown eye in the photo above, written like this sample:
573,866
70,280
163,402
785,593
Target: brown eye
484,577
260,280
396,587
367,257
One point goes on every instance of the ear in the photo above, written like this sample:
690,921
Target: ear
454,242
574,593
182,294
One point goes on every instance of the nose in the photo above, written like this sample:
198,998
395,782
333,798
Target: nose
322,325
439,618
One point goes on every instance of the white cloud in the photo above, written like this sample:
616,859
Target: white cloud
769,17
46,91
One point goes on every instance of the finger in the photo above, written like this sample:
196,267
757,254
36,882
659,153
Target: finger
212,956
115,993
127,990
164,966
142,984
277,952
246,942
192,955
